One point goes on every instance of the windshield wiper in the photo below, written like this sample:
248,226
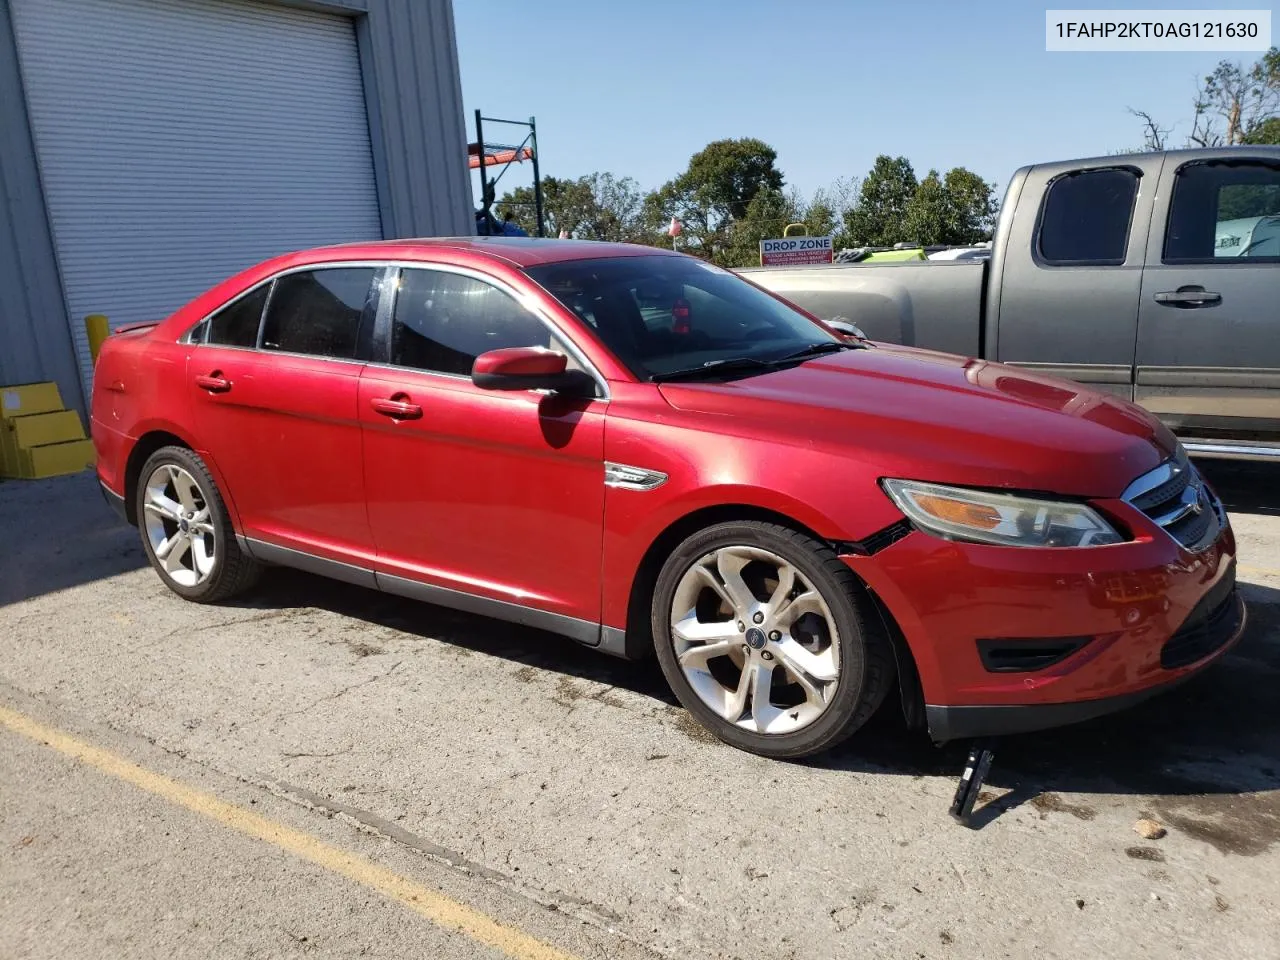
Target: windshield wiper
713,367
735,364
814,350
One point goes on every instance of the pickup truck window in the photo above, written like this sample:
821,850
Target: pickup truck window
1085,218
1224,210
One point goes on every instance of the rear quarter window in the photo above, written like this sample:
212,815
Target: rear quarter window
1085,218
236,324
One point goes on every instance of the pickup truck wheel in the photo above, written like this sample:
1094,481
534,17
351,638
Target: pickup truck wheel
186,532
768,639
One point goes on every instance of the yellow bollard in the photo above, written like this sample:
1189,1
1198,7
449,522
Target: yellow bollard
97,329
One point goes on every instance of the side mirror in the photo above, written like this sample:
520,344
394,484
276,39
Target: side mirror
529,368
845,328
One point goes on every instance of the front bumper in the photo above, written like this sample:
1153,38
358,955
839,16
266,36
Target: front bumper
966,722
1131,615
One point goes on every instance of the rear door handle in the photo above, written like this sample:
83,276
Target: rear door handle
214,382
396,407
1188,297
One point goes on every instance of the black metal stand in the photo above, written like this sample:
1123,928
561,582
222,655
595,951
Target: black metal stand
504,154
975,772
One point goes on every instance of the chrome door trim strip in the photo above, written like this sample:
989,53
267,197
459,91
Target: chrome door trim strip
609,640
1232,451
626,477
1080,372
1213,378
584,631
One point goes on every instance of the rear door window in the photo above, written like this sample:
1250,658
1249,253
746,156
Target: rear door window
1085,218
319,312
1224,212
236,325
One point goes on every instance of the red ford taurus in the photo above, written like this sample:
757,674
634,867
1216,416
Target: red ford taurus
649,454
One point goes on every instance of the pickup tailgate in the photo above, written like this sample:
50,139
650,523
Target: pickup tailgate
921,303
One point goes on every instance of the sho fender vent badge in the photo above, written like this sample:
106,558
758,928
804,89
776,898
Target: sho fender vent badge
632,478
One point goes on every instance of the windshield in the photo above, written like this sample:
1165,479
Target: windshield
661,315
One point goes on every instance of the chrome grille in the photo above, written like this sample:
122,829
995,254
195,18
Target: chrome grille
1177,499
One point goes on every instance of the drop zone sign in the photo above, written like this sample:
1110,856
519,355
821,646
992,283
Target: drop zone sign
790,251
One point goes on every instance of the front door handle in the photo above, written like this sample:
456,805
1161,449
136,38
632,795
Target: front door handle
1188,297
214,382
397,407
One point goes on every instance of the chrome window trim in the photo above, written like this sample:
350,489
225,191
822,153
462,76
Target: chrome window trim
524,300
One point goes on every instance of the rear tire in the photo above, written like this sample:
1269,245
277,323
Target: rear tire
186,531
769,640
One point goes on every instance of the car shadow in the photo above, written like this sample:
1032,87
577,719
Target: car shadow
60,533
1244,486
1207,741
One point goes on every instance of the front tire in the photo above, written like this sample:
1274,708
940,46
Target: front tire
186,531
768,639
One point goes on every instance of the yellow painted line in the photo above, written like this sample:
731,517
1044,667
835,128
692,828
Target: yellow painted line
434,906
1265,571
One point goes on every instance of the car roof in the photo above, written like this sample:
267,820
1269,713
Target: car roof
516,251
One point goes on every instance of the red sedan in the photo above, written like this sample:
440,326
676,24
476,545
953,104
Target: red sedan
649,454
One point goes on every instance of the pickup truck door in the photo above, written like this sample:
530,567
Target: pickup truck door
1208,358
1067,281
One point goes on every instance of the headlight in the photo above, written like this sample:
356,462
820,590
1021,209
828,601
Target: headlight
960,514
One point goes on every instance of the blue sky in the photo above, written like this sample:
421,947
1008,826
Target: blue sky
636,87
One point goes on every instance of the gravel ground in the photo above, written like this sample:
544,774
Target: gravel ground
566,794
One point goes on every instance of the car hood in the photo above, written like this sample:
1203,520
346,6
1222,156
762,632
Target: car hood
932,416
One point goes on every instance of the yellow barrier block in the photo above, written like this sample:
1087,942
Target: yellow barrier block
41,428
56,459
24,399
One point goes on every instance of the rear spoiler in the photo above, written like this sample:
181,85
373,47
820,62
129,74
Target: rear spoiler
134,327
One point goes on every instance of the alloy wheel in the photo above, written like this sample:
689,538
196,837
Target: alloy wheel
179,527
755,640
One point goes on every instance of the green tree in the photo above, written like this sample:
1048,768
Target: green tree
879,217
598,206
766,216
971,207
714,192
1266,132
927,214
956,209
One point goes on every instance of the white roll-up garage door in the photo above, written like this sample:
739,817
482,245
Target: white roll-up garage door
180,142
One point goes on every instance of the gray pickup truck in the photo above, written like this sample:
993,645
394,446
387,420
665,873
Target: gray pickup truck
1153,276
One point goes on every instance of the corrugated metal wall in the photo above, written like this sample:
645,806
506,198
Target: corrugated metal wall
413,96
35,341
413,91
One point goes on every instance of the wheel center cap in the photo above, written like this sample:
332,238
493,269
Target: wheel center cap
184,526
755,638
